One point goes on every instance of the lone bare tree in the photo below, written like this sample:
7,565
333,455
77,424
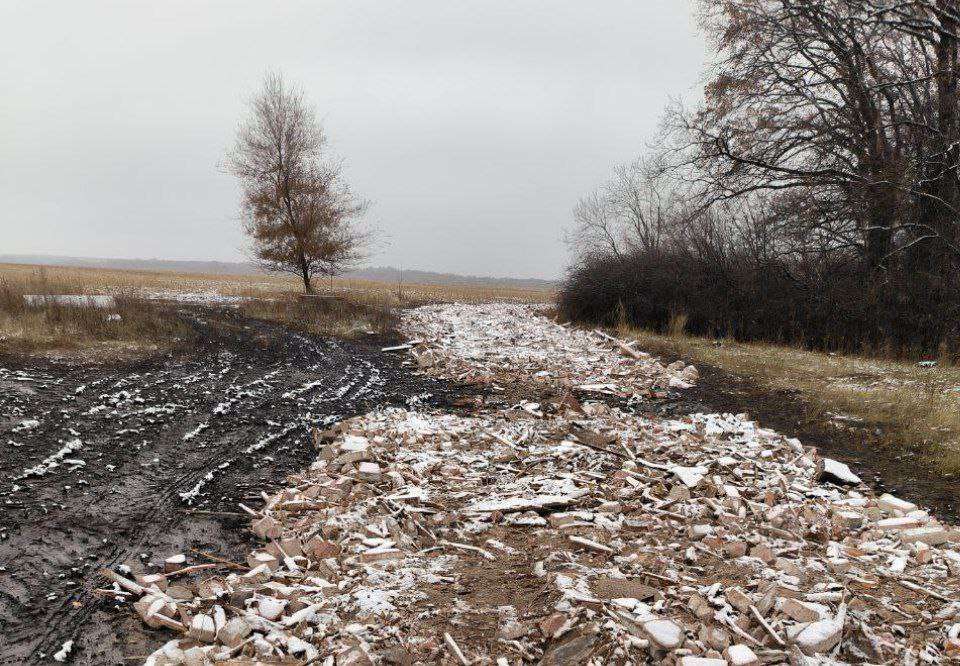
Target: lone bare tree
295,207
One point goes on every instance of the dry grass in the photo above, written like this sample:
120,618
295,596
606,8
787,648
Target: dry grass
100,280
345,307
915,407
130,327
330,316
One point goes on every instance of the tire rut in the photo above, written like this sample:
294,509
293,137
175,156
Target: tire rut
158,440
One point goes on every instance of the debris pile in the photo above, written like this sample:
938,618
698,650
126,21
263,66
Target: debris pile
569,533
503,343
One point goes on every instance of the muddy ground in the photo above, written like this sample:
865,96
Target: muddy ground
104,466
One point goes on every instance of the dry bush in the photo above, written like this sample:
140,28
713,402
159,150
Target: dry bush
327,315
832,304
677,324
130,325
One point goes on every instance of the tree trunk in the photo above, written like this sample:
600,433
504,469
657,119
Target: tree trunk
881,210
305,274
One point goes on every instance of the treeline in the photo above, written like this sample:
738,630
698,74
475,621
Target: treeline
813,197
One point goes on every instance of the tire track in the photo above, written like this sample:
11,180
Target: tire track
255,388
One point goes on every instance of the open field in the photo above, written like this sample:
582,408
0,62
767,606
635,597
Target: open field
912,408
153,283
357,307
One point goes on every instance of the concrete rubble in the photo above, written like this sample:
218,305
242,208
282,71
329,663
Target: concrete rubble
564,529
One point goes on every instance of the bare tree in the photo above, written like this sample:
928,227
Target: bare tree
847,107
800,101
813,196
634,210
296,208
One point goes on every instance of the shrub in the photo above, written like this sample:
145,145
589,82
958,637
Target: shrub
830,303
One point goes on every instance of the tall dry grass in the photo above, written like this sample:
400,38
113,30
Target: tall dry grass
157,283
327,315
344,307
130,324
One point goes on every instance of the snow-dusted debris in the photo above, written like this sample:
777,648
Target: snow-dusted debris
572,532
751,560
503,343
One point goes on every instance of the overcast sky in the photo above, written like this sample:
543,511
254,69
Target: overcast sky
472,126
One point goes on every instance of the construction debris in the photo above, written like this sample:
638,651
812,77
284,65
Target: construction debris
513,535
504,343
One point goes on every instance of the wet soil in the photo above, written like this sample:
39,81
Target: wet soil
128,464
886,467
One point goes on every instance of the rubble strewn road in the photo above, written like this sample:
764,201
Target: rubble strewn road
555,524
564,530
103,465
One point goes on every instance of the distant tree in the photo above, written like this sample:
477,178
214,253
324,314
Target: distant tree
632,210
300,215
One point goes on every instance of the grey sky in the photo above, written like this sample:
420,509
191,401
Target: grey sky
472,126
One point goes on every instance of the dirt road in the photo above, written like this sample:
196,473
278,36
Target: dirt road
105,467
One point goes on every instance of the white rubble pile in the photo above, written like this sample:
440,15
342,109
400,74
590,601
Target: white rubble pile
572,533
502,343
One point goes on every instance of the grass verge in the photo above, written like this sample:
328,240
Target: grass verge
126,327
327,315
915,409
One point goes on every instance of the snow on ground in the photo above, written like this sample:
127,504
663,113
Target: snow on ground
199,297
569,532
98,301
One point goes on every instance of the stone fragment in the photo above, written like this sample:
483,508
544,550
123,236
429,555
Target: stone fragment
899,523
895,505
369,471
148,580
382,555
606,587
836,472
735,549
849,519
803,611
195,656
741,655
574,649
321,549
665,634
174,562
270,608
266,528
821,636
262,558
715,636
202,628
738,599
234,632
932,536
764,553
552,624
149,609
690,476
